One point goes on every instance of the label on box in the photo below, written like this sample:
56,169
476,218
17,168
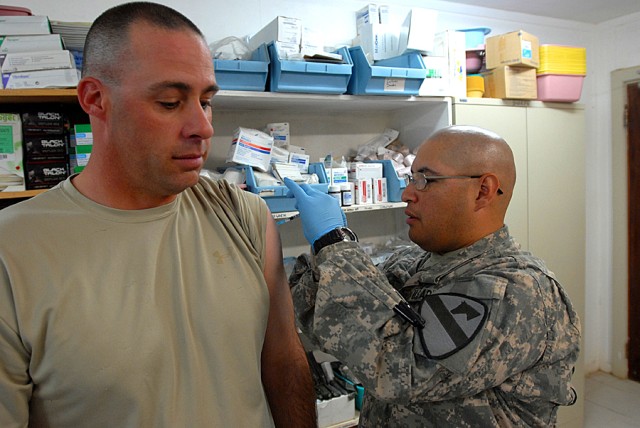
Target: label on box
527,51
393,84
338,175
45,175
301,161
251,147
45,147
43,118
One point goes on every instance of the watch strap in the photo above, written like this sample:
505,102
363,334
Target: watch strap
338,234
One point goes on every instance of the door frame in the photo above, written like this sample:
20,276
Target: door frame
620,230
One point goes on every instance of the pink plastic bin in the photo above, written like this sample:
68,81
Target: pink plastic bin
14,10
565,88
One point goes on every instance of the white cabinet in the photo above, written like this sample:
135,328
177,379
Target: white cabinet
336,124
547,212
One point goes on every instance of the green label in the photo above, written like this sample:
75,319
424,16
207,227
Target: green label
6,139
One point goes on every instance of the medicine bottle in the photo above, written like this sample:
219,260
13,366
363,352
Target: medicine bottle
334,190
347,194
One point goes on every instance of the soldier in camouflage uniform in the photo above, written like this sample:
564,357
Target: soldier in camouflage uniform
463,330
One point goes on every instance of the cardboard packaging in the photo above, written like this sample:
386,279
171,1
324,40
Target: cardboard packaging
418,31
251,147
45,42
279,132
45,175
370,14
281,29
378,41
45,147
11,158
338,175
517,48
24,25
362,170
61,78
363,191
380,190
436,83
451,45
33,61
511,82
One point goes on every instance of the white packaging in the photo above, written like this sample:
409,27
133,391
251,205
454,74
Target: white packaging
302,161
418,31
452,45
380,190
281,29
437,81
280,133
62,78
379,41
19,62
11,158
362,170
338,175
384,14
311,41
251,147
363,191
367,15
23,25
44,42
287,50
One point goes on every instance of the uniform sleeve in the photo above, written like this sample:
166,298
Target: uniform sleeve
346,304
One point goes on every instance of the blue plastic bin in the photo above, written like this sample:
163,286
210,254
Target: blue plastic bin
244,75
309,77
395,184
276,196
400,75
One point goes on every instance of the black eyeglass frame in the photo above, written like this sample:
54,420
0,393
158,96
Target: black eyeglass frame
409,179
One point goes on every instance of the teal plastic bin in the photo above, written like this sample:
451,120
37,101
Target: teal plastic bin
244,75
309,77
401,75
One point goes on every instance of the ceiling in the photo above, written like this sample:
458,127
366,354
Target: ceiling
589,11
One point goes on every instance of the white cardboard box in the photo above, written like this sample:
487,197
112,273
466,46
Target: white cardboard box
251,147
11,158
452,45
335,410
363,190
418,31
362,170
31,43
379,41
380,190
18,62
437,81
281,29
61,78
21,25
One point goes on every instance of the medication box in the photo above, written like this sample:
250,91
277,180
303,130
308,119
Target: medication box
11,162
360,170
511,82
251,147
395,184
401,75
44,42
309,77
281,29
276,196
516,48
22,25
61,78
244,75
34,61
45,175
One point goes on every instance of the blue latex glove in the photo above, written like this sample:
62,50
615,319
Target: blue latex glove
319,212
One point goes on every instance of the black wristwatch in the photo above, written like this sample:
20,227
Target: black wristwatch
338,234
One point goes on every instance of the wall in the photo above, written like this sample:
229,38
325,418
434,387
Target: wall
220,19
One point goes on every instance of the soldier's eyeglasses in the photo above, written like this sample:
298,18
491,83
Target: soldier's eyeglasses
421,180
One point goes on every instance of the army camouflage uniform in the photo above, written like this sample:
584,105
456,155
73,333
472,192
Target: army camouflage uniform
513,368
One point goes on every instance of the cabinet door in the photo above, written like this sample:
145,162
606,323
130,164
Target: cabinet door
557,212
511,124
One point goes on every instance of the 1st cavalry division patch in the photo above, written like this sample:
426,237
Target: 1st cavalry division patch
452,321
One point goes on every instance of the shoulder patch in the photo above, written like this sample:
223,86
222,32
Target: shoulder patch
452,321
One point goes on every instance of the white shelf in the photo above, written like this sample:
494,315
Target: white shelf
285,216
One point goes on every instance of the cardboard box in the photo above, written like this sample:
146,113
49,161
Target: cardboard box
279,132
367,15
517,48
436,83
336,410
363,191
31,43
511,82
33,61
251,147
338,175
281,29
45,175
451,45
11,158
378,41
62,78
361,170
380,190
418,31
24,25
45,147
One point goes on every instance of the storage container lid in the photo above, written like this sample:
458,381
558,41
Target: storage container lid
14,10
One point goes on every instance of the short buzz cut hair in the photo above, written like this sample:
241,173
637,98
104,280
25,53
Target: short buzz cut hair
108,36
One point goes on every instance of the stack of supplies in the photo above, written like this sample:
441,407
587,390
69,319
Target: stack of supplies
561,73
73,35
81,143
11,164
32,57
511,60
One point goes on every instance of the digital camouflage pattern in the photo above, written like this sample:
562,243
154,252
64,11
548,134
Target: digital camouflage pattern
515,371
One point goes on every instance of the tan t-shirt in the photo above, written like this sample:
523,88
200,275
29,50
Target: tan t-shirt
150,318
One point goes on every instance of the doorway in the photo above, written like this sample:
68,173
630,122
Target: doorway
626,223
